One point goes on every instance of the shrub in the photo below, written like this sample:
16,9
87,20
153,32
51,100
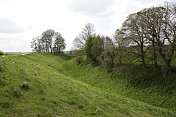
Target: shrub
1,52
79,60
108,60
108,65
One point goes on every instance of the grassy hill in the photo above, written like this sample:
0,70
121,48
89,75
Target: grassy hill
144,84
48,85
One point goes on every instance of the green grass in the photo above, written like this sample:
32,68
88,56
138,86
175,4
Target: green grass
34,85
146,85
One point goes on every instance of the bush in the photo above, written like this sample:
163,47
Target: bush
79,60
108,65
1,52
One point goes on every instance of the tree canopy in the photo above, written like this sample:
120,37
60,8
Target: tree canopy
44,43
150,28
80,40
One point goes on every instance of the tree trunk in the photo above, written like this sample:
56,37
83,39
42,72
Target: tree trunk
154,55
51,48
59,51
143,60
142,55
155,60
167,60
120,60
167,66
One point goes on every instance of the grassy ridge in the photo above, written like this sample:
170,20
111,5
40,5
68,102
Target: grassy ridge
32,85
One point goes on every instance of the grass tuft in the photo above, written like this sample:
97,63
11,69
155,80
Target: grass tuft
24,85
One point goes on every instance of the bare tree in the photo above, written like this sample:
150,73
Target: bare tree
80,40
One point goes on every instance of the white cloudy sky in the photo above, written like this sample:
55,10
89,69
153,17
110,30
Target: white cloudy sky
21,20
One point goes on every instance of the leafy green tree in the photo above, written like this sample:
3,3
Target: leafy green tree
97,47
37,45
47,39
159,24
45,42
152,27
107,43
59,44
93,48
166,41
152,23
88,47
133,36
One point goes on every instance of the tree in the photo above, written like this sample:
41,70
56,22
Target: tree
93,48
133,36
153,27
166,41
87,49
97,47
122,45
47,37
107,42
160,24
45,42
149,22
152,21
59,44
37,45
80,40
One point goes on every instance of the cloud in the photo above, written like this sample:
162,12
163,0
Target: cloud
8,26
92,8
22,20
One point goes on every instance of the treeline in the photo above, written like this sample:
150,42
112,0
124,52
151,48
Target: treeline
147,35
49,41
150,29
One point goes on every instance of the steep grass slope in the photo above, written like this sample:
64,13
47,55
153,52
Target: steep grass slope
146,85
32,85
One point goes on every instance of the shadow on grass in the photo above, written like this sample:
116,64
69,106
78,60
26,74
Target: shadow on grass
144,77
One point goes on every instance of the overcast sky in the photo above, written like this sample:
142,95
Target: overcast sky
22,20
